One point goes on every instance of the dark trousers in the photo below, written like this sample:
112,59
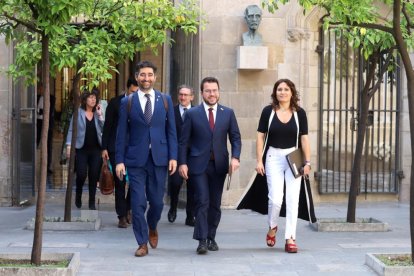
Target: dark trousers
175,182
208,188
146,184
122,202
88,163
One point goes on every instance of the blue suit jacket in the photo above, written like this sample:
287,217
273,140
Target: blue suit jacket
135,136
80,134
197,140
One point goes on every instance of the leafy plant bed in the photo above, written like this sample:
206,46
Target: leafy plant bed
399,260
58,224
27,263
390,264
58,264
340,225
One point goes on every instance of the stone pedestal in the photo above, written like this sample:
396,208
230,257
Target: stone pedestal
252,57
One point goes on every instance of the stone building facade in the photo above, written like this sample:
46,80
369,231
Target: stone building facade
291,39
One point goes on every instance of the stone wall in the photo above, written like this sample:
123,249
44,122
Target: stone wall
291,40
5,126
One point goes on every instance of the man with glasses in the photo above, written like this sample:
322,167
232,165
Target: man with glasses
175,181
203,157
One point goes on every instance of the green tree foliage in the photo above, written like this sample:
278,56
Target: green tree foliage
97,33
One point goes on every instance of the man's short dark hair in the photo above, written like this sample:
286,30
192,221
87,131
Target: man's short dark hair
145,64
131,81
209,79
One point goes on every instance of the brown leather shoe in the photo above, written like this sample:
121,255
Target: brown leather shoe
129,217
122,222
153,238
142,250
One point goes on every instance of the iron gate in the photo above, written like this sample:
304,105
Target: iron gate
341,78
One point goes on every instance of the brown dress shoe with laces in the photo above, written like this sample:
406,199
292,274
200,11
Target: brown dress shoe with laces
153,238
142,250
122,222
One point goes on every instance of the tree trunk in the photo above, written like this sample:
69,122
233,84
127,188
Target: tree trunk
38,229
356,167
366,95
409,73
71,174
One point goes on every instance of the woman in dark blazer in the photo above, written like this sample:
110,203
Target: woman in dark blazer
88,145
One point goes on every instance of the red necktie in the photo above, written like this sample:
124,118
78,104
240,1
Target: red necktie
211,118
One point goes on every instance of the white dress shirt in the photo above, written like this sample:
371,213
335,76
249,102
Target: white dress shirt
206,107
143,100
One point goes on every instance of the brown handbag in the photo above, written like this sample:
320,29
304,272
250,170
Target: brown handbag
106,179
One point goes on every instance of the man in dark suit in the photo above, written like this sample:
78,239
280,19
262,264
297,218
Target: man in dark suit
122,202
175,181
203,157
146,146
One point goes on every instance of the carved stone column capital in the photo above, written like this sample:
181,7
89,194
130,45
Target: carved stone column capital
295,34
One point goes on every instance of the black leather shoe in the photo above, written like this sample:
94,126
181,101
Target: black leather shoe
92,206
202,247
212,245
190,221
172,215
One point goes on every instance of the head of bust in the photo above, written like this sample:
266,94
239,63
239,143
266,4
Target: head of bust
253,16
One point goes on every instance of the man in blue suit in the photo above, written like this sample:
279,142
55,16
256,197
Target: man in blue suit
203,156
146,146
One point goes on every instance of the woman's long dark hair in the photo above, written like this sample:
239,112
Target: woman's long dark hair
295,95
86,94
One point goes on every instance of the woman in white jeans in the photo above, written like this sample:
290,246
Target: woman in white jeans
277,136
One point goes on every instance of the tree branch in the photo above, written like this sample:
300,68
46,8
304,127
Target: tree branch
94,8
28,25
32,7
114,8
383,69
407,17
367,26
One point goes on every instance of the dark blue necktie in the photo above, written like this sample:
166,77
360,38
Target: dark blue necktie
148,109
185,110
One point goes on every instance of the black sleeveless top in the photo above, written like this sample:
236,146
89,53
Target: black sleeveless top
282,135
91,137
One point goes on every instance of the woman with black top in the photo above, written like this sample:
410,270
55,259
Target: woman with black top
88,145
279,124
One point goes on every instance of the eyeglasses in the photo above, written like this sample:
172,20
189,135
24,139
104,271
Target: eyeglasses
184,95
213,91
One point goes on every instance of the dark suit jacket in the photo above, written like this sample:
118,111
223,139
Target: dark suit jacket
111,123
197,141
134,135
178,120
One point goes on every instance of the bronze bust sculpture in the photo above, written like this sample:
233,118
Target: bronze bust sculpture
253,16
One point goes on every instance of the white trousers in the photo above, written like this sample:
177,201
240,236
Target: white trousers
277,172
